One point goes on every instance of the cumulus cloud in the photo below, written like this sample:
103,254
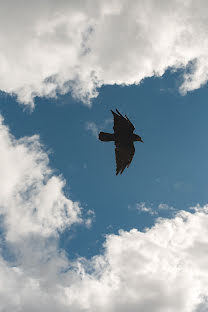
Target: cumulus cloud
67,46
32,199
161,269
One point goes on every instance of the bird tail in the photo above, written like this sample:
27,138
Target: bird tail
106,137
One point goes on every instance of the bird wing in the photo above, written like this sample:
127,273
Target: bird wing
121,123
124,156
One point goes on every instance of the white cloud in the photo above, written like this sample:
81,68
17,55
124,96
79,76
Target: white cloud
142,207
90,218
32,200
91,126
162,269
163,206
95,129
148,208
47,46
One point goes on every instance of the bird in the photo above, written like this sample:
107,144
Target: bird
123,138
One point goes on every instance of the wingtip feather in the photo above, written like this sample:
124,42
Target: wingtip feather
118,113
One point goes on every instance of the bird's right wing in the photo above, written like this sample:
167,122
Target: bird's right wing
124,156
121,123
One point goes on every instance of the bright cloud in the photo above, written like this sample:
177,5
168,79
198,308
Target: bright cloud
32,200
50,46
161,269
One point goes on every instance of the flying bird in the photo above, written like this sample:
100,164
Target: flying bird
123,138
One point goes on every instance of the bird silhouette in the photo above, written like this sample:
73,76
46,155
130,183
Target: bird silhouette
124,139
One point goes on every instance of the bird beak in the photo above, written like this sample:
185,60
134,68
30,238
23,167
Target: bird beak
141,141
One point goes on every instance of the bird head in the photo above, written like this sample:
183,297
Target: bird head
137,138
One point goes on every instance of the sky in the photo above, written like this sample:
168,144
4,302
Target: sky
73,235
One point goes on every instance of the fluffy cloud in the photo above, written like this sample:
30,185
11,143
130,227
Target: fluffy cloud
161,269
32,200
50,46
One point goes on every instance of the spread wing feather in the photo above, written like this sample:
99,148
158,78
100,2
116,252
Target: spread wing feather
124,156
122,124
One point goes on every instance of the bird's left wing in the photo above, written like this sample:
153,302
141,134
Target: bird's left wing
121,123
124,156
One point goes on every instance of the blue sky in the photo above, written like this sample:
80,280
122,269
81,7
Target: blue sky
169,168
73,235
